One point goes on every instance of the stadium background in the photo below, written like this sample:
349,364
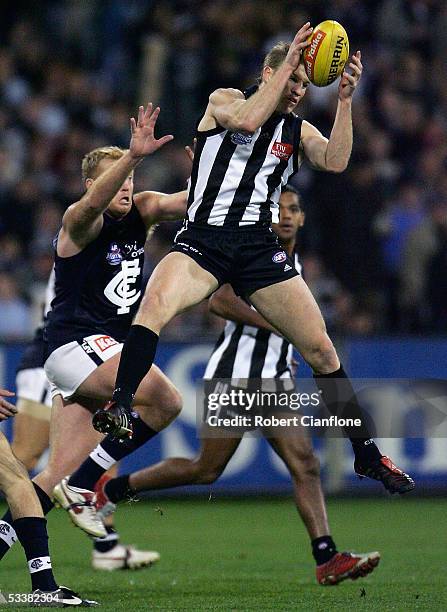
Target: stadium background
374,247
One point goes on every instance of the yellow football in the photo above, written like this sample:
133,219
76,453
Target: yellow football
325,57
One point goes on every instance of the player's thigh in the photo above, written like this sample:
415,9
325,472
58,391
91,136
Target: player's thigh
72,438
157,399
31,434
291,308
176,284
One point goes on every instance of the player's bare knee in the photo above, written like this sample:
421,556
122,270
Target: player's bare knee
207,476
155,311
322,356
172,403
28,458
305,465
206,473
12,475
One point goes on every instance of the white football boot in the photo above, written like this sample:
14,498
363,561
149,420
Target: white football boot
123,557
80,505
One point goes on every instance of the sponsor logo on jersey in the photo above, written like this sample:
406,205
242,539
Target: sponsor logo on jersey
279,257
114,256
241,139
133,250
287,268
282,150
104,342
86,346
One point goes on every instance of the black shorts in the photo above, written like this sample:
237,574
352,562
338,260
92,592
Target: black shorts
248,258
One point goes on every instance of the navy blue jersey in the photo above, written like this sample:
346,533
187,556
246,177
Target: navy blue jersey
98,290
35,352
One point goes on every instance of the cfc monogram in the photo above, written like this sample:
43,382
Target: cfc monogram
120,290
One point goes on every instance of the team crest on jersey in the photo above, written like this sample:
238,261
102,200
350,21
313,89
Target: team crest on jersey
279,257
282,150
114,256
241,139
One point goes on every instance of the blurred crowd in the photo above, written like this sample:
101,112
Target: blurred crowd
374,246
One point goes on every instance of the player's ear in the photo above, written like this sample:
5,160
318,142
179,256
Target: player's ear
267,72
88,183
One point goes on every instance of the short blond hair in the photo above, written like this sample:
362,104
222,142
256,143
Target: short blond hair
92,160
276,55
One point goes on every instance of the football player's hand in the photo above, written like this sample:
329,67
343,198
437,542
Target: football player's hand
190,150
143,141
298,44
6,409
349,81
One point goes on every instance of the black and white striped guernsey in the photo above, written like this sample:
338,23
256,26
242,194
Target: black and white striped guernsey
245,351
236,178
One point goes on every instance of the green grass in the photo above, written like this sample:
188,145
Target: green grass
254,555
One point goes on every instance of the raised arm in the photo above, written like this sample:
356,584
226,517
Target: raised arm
82,221
333,155
229,108
226,304
155,207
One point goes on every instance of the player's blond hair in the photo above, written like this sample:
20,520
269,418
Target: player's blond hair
92,160
276,55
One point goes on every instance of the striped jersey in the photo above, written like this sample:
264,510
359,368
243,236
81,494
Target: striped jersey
245,351
236,178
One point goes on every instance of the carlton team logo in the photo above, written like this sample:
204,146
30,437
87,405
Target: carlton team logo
282,150
114,256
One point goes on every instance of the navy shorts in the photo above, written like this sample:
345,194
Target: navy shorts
248,258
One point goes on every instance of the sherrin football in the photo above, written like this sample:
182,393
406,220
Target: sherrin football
325,57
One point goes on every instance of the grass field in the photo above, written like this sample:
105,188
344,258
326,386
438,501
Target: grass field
254,555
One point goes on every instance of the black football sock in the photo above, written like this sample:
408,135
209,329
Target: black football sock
8,536
118,489
340,400
136,359
45,500
108,453
32,533
323,549
108,542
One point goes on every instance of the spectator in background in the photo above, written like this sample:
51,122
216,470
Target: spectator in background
423,272
71,71
15,319
402,215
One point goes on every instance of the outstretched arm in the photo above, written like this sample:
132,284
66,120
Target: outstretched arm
229,108
333,155
226,304
155,207
82,221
